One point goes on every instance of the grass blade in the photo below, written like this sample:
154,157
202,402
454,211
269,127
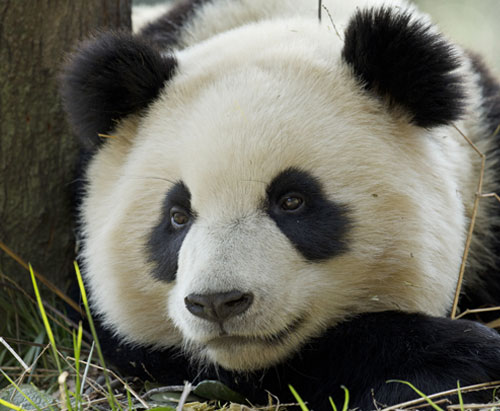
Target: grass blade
334,407
11,406
112,402
129,401
460,399
302,404
429,401
346,398
45,319
77,345
87,366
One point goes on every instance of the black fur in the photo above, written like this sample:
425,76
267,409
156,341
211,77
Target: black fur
109,78
489,294
362,354
318,229
165,240
365,352
406,62
490,92
164,32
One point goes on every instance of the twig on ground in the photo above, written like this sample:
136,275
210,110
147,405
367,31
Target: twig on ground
477,311
470,388
185,392
34,344
438,402
125,385
11,350
159,390
33,365
473,406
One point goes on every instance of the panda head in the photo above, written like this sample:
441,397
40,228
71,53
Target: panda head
268,183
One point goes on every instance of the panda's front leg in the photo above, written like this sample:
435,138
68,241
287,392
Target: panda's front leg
366,352
431,353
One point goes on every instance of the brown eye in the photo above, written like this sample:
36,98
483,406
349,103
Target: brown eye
178,217
291,202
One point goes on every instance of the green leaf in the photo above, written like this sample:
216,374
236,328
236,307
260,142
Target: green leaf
36,400
20,390
215,390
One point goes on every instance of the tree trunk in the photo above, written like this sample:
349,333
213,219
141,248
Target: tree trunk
37,151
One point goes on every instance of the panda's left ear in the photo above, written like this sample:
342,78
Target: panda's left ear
107,79
408,62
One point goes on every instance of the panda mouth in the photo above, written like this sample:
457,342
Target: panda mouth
270,339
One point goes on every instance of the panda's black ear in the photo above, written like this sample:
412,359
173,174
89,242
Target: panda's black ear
109,78
407,61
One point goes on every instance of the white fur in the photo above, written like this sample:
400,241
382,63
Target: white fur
144,14
240,110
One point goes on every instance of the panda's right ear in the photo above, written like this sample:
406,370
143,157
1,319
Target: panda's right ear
109,78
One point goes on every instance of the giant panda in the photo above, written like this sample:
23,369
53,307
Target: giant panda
279,192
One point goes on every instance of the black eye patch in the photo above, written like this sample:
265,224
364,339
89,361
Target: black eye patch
318,228
166,237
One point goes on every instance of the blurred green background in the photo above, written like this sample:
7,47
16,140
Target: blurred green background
472,23
475,24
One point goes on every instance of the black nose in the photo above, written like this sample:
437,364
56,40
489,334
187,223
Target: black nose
220,306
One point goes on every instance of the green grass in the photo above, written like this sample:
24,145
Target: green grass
111,399
53,370
23,330
45,319
49,364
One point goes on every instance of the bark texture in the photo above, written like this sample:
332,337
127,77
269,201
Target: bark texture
37,150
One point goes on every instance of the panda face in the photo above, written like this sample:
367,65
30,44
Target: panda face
236,261
257,192
263,198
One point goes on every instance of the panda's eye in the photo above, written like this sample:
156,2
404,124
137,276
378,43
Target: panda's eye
291,202
178,217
